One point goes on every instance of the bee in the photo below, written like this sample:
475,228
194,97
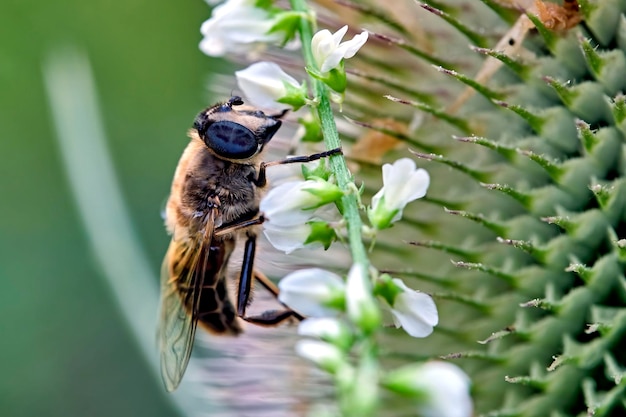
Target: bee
214,201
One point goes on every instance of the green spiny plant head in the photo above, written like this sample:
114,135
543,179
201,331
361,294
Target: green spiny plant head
521,238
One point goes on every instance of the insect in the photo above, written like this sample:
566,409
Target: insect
214,201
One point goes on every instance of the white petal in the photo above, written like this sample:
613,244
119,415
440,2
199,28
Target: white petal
322,327
322,45
328,50
263,84
360,303
236,27
307,290
448,389
283,205
338,36
287,239
403,183
321,353
351,47
415,311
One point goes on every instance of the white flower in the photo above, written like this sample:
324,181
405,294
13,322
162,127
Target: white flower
360,302
264,83
236,26
448,389
287,238
402,183
288,207
442,388
291,202
311,291
414,311
324,355
322,327
328,50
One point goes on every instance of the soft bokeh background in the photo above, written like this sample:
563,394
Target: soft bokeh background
65,350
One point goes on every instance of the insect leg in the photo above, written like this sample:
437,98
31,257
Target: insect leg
261,180
272,317
271,287
221,231
268,318
245,278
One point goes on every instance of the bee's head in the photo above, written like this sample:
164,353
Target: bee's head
235,134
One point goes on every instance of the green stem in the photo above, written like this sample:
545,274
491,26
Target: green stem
331,140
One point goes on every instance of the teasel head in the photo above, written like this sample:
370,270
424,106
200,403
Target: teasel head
520,237
518,113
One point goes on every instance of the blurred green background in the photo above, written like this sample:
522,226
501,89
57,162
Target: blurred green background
65,349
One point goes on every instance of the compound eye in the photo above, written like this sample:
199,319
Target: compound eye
231,140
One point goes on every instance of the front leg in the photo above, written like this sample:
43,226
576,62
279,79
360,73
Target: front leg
245,277
261,179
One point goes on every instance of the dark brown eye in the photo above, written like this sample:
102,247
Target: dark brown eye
231,140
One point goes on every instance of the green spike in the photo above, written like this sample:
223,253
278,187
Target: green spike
563,222
403,44
394,134
443,6
376,13
586,100
474,354
603,146
612,199
495,227
549,37
594,62
535,121
454,250
541,303
606,318
478,175
587,138
500,334
469,301
614,370
618,109
441,114
602,18
584,272
469,33
602,194
507,151
586,8
508,14
402,87
607,67
524,245
523,198
480,88
565,92
553,169
441,281
554,125
587,227
456,205
527,381
620,247
519,68
477,266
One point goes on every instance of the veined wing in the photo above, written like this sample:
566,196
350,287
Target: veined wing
182,278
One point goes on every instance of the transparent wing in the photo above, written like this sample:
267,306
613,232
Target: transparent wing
182,277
